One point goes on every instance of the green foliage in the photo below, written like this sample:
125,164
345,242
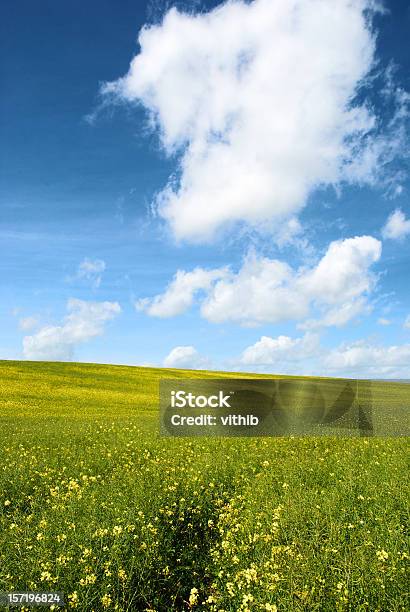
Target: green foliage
95,504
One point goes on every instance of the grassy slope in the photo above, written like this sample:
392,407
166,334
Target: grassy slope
91,390
94,504
87,390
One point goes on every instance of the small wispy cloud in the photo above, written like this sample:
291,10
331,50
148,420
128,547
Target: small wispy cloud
384,322
28,323
397,226
89,271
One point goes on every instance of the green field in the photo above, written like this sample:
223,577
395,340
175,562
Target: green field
93,503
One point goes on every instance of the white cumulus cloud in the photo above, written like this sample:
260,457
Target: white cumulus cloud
185,357
281,351
397,226
342,273
84,321
180,293
340,315
258,99
361,359
269,290
261,291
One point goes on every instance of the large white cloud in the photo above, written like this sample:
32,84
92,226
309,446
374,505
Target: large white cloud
259,99
185,357
261,291
85,320
397,226
269,290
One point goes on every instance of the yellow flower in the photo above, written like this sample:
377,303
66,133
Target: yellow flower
382,555
106,600
193,596
230,588
90,579
61,537
73,599
7,502
271,607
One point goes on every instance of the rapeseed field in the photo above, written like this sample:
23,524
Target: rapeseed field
94,504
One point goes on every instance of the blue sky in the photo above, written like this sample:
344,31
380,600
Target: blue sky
92,239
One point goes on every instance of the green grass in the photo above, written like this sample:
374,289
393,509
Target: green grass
95,504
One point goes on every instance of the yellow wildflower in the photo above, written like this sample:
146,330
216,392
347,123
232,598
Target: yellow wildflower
193,596
382,555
